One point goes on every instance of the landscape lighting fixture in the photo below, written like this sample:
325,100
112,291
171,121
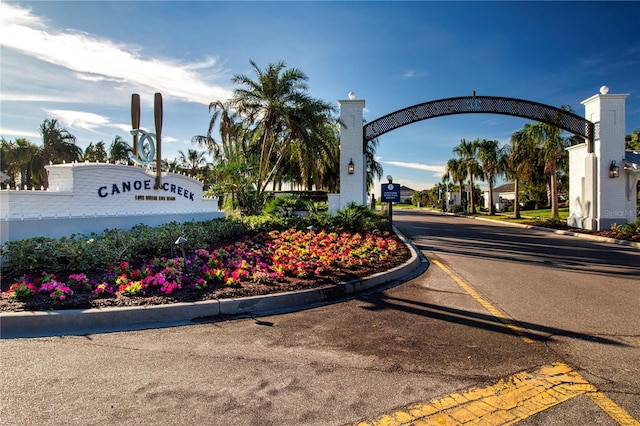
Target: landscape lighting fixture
614,171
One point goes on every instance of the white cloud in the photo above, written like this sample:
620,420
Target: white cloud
31,97
418,166
409,74
100,60
12,133
79,119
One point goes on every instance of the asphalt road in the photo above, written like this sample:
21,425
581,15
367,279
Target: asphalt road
496,301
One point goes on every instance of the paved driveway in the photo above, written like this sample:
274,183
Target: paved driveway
499,312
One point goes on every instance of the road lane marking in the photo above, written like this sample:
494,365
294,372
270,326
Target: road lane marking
612,409
485,304
505,402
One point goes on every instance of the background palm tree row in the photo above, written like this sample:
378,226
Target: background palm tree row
536,160
23,161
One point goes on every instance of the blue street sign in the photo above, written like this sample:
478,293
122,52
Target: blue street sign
390,193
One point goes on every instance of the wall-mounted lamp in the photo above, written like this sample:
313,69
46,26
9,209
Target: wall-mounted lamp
614,171
352,168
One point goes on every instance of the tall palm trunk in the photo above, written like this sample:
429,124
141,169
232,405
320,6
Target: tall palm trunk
473,199
516,199
492,209
554,192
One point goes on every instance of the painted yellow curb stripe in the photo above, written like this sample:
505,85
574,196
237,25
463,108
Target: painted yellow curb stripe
485,304
508,401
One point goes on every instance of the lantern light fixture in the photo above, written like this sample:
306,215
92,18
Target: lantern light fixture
351,168
614,170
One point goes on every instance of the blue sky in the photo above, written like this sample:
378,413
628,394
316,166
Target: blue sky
80,62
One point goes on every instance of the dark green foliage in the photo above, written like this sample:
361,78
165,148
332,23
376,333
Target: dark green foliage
628,231
457,208
96,252
357,218
284,206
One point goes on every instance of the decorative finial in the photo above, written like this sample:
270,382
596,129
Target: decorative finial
352,95
604,90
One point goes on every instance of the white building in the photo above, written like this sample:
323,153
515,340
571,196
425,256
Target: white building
503,195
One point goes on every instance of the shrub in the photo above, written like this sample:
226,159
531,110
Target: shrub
629,231
284,206
358,218
96,252
457,208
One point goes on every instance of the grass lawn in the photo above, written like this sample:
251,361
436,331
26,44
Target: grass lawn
544,213
530,216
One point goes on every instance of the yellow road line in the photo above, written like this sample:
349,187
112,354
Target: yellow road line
485,304
508,401
612,409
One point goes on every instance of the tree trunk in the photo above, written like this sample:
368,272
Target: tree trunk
492,209
554,193
473,199
516,200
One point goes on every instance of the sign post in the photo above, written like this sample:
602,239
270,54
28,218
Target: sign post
390,194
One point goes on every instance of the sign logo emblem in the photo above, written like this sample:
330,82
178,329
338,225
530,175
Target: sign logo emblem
146,148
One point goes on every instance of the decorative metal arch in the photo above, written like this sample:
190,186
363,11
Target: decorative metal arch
482,104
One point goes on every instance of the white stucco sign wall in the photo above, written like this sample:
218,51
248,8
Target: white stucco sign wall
88,197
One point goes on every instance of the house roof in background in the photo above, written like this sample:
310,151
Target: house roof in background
507,187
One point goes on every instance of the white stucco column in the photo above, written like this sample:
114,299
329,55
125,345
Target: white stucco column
601,198
353,187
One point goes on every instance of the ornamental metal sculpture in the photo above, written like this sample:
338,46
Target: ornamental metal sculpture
482,104
145,149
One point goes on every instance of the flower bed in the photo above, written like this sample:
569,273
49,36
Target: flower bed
266,263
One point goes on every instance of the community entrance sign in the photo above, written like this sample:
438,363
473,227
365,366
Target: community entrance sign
598,198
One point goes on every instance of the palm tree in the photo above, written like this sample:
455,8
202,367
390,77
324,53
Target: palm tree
552,150
233,155
19,160
466,151
96,152
519,164
58,146
374,168
193,161
282,113
493,160
119,151
457,172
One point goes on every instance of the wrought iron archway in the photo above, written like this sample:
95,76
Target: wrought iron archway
482,104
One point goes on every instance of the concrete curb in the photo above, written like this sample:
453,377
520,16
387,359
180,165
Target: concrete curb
91,321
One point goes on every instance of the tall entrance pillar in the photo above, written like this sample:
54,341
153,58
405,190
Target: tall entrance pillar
353,183
596,192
